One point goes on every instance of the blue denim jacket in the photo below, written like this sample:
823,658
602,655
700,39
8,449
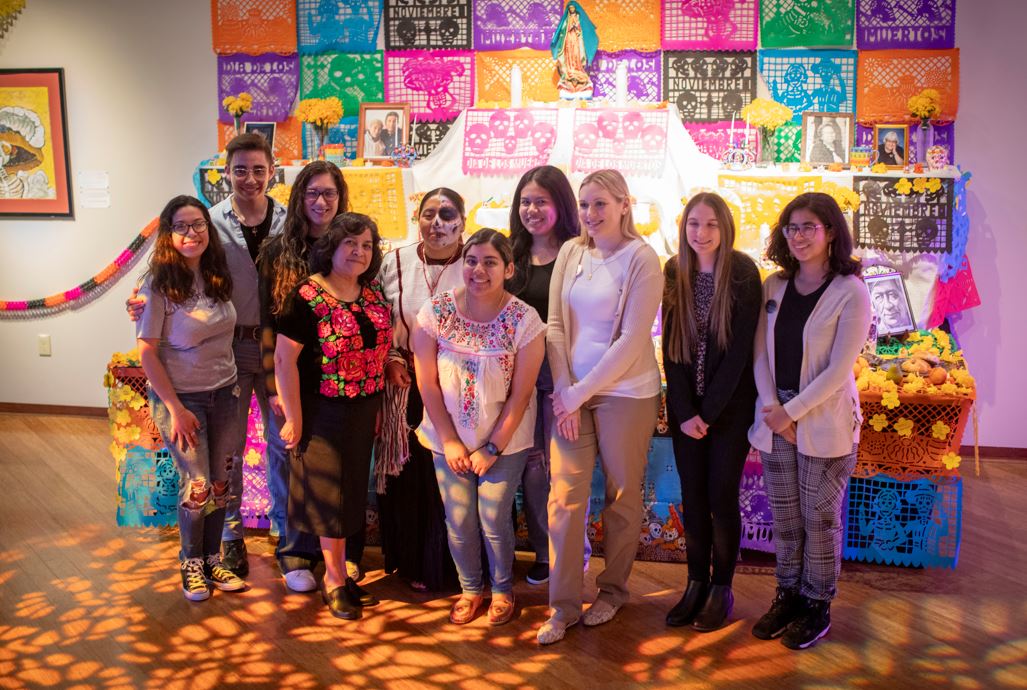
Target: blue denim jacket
245,295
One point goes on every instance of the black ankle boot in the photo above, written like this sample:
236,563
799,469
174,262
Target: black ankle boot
685,610
359,594
341,603
715,611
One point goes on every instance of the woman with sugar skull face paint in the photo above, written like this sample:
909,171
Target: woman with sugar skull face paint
411,514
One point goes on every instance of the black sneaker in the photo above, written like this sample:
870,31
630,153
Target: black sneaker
813,624
194,584
538,574
786,608
234,557
221,577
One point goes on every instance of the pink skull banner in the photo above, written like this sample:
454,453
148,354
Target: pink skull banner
633,141
508,141
437,84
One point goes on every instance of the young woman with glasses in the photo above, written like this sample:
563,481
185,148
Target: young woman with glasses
815,319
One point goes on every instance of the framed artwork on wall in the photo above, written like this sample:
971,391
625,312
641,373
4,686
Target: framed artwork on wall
892,144
826,138
34,169
382,127
890,302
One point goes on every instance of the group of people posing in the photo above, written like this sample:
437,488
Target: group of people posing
470,367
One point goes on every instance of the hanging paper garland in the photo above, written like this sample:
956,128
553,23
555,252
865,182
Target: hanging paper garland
84,292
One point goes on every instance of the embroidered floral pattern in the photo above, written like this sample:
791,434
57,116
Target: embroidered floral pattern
350,367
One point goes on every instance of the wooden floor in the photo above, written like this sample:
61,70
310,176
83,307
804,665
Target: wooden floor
86,604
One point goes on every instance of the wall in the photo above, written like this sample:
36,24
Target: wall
139,79
140,87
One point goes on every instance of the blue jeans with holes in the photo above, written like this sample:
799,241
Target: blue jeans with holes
480,506
201,507
250,381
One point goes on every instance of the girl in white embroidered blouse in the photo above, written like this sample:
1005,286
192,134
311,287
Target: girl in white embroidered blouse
477,353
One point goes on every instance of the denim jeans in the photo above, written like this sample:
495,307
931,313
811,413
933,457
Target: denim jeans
296,550
250,381
201,507
477,506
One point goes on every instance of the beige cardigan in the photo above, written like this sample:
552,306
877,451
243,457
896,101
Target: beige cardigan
630,352
826,410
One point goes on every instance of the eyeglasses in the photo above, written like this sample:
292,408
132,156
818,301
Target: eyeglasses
197,226
242,171
311,195
806,230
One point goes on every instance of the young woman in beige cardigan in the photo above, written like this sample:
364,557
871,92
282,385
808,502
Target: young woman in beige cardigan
815,319
604,295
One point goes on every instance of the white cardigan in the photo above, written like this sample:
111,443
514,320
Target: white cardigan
826,410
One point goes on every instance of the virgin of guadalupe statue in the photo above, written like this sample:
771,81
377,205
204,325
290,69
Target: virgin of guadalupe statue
574,47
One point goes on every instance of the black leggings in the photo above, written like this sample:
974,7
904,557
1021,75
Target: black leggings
710,470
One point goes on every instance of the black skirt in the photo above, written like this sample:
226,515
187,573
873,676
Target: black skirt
328,478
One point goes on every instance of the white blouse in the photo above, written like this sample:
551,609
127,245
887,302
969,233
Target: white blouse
475,364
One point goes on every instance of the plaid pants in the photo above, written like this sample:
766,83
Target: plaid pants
806,499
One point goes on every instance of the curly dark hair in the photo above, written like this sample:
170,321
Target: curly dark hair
825,208
346,225
170,276
567,225
287,252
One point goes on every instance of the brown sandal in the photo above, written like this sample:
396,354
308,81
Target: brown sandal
466,609
502,609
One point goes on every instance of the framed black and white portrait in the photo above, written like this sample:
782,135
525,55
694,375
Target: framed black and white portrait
827,138
890,302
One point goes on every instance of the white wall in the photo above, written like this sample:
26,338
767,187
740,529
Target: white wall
992,100
140,82
141,91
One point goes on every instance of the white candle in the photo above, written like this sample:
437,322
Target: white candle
515,86
731,144
746,132
622,84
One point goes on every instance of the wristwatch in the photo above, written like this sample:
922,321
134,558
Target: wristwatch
492,449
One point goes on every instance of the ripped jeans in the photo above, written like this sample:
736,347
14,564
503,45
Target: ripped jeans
203,487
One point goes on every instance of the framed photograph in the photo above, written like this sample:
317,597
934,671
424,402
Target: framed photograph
890,302
34,170
264,129
891,144
382,127
827,138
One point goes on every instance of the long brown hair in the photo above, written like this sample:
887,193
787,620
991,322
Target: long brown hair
288,252
559,188
679,297
170,276
825,208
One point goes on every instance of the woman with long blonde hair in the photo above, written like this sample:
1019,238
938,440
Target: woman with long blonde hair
711,307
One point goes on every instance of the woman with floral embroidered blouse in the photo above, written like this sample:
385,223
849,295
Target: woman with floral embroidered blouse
477,353
329,369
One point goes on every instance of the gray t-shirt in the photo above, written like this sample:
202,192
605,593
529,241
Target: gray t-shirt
195,338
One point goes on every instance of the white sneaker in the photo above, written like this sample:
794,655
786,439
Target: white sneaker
553,630
600,612
300,581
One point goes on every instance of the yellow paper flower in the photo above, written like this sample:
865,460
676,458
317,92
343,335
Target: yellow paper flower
117,450
963,378
903,186
847,199
213,176
919,185
890,400
766,113
940,430
951,460
932,185
252,457
947,388
904,427
879,168
914,384
879,422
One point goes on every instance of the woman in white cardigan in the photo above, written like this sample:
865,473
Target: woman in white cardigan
815,319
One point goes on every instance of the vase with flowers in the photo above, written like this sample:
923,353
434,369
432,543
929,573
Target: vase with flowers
766,116
321,114
237,106
924,106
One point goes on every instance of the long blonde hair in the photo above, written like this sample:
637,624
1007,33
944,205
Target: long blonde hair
679,295
617,187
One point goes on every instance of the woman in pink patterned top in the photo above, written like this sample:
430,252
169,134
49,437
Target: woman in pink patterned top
333,342
477,353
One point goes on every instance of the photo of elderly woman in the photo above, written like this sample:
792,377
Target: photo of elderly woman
826,138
